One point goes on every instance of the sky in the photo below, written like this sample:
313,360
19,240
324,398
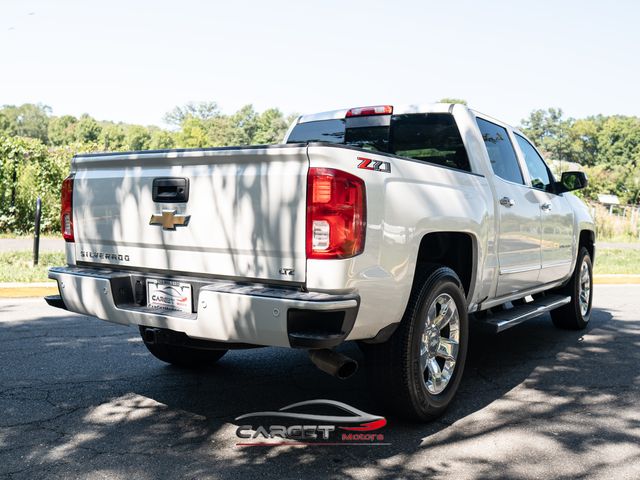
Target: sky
133,61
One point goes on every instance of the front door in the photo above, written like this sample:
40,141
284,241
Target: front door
557,244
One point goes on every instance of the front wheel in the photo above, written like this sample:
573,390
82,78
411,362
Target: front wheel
418,370
575,315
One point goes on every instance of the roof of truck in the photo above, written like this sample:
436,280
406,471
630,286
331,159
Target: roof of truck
399,109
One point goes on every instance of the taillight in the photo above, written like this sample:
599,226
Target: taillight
336,214
66,209
365,111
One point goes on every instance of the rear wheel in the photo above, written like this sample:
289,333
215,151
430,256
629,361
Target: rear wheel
181,356
418,370
575,315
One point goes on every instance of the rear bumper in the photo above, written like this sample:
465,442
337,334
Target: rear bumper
223,311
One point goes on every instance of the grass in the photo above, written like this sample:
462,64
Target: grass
617,261
18,266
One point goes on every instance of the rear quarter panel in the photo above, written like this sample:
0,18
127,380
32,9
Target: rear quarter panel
403,206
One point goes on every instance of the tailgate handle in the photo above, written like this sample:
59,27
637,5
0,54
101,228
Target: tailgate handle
170,190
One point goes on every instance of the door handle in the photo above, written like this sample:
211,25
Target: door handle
507,202
545,207
170,190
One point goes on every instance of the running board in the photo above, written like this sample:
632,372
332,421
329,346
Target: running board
505,319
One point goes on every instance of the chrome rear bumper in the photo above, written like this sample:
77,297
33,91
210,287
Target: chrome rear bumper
223,311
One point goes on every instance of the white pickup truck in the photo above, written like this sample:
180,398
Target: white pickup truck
389,226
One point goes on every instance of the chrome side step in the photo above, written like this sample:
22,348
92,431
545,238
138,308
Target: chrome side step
505,319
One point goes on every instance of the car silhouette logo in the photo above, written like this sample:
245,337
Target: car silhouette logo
365,421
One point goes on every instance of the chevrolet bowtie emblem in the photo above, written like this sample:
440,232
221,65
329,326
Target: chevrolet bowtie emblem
168,219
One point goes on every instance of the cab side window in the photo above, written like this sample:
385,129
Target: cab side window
501,153
540,175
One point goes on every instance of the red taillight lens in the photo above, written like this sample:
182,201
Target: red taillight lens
66,209
336,214
376,110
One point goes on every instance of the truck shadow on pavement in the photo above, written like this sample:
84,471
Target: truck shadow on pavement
533,399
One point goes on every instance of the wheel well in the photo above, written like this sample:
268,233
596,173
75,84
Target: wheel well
587,240
451,249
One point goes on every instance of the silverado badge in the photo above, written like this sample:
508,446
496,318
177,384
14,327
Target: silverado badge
169,220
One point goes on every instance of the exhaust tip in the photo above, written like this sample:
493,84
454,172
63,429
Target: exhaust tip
149,335
334,363
348,369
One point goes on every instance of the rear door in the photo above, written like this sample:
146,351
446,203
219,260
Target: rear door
244,217
519,213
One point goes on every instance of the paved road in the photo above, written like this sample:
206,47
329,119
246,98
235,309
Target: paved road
83,399
46,244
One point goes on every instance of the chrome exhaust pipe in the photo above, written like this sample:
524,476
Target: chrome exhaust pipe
333,363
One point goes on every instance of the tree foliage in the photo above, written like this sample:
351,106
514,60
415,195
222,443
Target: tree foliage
452,100
606,147
36,147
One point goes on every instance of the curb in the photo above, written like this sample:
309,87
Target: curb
25,290
616,279
42,289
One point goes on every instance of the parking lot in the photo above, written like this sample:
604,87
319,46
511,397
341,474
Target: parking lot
82,398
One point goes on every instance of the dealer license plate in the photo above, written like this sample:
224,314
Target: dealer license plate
169,295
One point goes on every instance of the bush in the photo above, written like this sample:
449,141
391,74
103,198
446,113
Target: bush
28,170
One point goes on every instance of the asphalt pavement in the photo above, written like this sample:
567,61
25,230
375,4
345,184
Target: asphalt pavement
47,244
81,398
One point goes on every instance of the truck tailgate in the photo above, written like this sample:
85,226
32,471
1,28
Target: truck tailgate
245,214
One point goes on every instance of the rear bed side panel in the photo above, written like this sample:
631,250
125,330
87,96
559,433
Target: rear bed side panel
246,209
411,201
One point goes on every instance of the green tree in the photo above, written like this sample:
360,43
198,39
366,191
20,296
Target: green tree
161,139
27,120
619,140
193,134
270,127
452,100
113,137
551,133
87,129
199,110
138,137
585,146
61,130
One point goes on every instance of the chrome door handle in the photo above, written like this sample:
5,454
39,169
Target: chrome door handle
507,202
545,207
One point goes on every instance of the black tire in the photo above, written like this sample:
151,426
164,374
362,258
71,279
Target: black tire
184,357
572,316
393,367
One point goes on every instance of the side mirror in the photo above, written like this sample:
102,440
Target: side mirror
572,181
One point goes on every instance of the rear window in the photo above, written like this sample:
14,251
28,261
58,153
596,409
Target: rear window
431,137
331,131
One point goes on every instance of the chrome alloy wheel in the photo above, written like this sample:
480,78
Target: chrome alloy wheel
440,343
584,292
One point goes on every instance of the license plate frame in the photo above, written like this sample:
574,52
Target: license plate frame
169,295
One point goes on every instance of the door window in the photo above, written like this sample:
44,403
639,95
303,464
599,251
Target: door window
501,153
540,176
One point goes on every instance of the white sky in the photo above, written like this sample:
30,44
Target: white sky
135,60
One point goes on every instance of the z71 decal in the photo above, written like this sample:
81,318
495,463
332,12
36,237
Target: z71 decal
375,165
